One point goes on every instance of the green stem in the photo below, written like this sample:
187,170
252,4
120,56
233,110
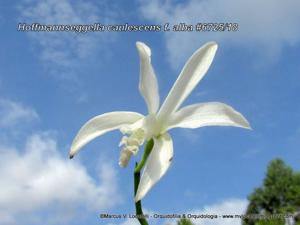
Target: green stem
147,151
137,176
138,205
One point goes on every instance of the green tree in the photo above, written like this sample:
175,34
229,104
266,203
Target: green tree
184,222
279,194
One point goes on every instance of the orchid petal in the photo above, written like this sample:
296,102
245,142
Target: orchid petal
208,114
101,124
157,164
148,83
193,71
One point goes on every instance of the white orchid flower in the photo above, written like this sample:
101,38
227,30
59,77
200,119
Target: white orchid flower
138,128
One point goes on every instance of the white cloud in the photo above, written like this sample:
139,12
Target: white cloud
14,113
227,207
265,26
129,221
40,186
133,221
38,179
63,52
37,184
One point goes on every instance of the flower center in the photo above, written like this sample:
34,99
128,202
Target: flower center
131,144
135,135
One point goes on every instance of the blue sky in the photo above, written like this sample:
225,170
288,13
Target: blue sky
52,83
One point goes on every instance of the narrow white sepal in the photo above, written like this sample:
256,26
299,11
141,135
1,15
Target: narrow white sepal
101,124
192,72
148,85
208,114
157,164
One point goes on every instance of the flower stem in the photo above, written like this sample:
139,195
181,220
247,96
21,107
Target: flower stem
138,205
148,148
137,176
